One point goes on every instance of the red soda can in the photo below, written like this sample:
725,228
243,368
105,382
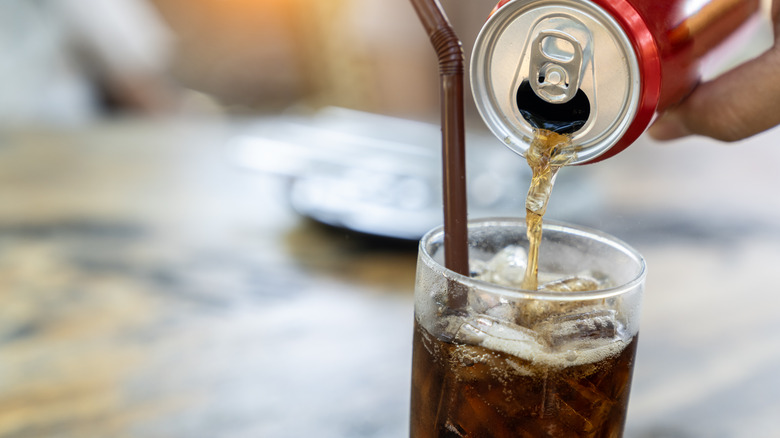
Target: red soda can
600,70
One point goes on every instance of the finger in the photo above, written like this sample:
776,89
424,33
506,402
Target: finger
734,106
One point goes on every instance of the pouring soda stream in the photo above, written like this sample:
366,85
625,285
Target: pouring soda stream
530,327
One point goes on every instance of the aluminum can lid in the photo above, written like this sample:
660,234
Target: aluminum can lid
577,62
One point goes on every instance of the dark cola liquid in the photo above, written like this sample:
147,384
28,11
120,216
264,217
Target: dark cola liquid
562,118
470,391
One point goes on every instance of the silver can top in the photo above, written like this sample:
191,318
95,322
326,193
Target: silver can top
566,64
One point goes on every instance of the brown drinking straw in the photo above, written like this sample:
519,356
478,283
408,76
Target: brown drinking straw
450,54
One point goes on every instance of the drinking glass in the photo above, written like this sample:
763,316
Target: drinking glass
493,360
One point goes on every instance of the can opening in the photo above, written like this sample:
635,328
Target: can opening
563,118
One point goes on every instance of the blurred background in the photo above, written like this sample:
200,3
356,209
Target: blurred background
246,56
209,212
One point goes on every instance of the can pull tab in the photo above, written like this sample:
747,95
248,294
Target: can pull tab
555,65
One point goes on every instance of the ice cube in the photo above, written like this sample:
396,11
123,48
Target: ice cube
477,267
473,330
532,312
499,335
581,405
506,268
578,329
504,311
494,306
578,283
447,327
483,302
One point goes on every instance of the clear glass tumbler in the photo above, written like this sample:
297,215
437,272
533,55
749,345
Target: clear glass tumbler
493,360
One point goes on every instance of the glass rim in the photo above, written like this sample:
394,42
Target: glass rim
437,234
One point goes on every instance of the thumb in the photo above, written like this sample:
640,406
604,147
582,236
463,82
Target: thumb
669,126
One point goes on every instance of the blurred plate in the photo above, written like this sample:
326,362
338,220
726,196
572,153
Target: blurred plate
382,175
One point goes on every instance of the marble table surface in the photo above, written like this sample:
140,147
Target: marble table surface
150,288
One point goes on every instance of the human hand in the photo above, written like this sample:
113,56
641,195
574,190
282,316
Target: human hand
736,105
